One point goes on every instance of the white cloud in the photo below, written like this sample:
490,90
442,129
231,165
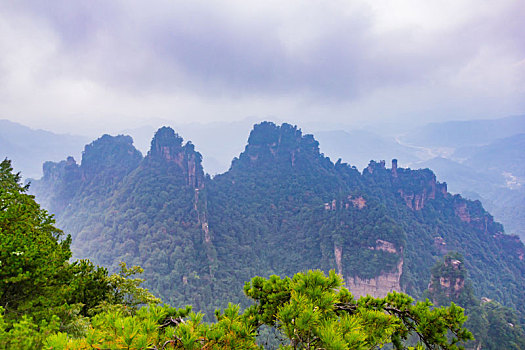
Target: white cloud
98,64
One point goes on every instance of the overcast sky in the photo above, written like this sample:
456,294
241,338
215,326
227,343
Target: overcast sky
73,66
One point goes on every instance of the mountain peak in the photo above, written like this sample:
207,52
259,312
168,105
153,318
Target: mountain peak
115,153
166,143
284,143
167,146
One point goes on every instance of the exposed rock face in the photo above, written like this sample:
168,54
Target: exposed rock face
338,252
383,284
379,286
462,212
384,246
167,146
394,167
472,213
451,279
416,200
356,202
265,215
416,187
452,286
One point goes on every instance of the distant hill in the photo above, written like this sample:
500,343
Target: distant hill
29,148
465,133
282,207
504,155
494,174
461,177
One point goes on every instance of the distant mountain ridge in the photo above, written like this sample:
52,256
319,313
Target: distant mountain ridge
282,207
29,148
494,174
465,133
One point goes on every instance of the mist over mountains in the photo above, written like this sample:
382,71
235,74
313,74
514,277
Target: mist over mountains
206,145
29,149
479,159
281,207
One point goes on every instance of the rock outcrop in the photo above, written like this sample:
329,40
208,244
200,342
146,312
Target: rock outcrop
448,279
382,284
350,201
423,186
379,286
109,157
167,146
282,207
512,245
473,214
272,144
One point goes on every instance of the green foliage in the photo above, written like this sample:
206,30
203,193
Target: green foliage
315,311
493,325
282,207
33,259
41,292
25,333
88,285
160,327
311,310
496,327
78,306
126,291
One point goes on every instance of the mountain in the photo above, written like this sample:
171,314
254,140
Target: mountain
504,156
207,136
29,148
465,133
493,325
282,207
494,174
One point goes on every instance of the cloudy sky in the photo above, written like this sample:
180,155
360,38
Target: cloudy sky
90,65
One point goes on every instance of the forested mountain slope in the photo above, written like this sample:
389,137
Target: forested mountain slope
282,207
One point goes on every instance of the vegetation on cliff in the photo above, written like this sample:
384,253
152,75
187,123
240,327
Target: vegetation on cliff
494,326
282,207
48,302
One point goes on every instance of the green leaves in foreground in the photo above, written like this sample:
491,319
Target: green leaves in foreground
46,301
161,327
314,311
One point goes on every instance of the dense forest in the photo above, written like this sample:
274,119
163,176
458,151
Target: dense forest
283,207
47,301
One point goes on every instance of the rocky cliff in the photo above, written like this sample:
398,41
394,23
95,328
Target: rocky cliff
282,207
448,279
167,146
385,282
416,187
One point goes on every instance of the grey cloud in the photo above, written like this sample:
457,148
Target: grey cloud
196,47
214,50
